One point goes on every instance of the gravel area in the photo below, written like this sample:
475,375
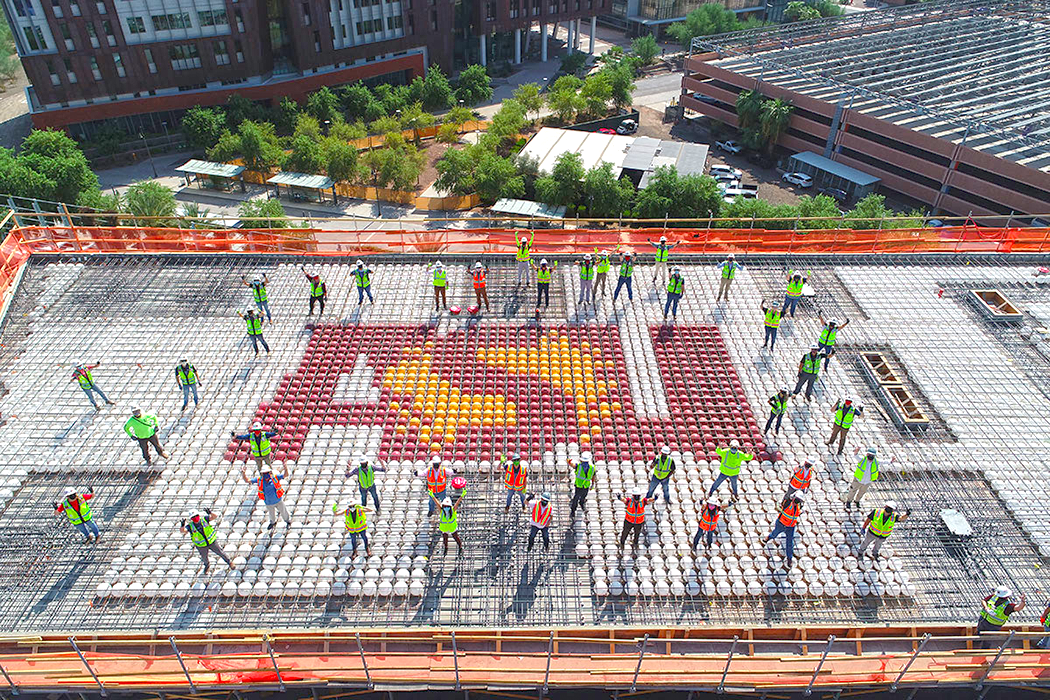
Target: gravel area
14,112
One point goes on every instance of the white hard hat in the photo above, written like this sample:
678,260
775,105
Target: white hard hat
734,443
256,425
892,505
714,500
360,263
677,270
256,279
663,239
811,459
833,322
871,450
1003,592
586,457
265,470
731,256
71,492
136,411
543,261
184,361
638,491
438,265
447,501
784,389
587,256
435,460
799,496
665,450
477,265
516,457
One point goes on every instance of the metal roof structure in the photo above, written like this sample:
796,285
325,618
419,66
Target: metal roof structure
838,169
207,167
594,148
973,72
528,208
647,154
304,180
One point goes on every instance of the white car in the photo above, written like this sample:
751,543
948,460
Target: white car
627,126
729,146
720,172
800,179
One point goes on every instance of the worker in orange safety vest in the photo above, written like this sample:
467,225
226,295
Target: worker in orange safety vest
788,513
710,511
634,518
802,477
438,474
481,292
541,509
515,478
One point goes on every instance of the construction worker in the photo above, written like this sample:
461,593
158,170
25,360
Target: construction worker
366,477
515,476
729,467
259,441
258,287
777,408
878,526
710,511
75,506
795,283
541,510
271,493
729,266
661,469
363,278
995,611
663,249
448,519
866,474
634,518
318,291
845,412
543,283
143,428
826,344
583,478
789,511
524,257
255,333
586,279
601,269
675,289
802,477
438,475
187,378
440,285
355,518
481,292
626,270
772,319
1044,620
808,370
82,374
201,528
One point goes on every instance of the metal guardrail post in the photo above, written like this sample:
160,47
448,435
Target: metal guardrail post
638,668
273,660
547,673
729,660
998,655
178,655
364,664
918,650
816,671
455,658
14,688
83,659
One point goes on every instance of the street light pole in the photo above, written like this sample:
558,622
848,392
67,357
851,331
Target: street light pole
150,156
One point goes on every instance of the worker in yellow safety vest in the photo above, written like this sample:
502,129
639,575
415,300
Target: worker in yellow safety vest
602,262
255,334
661,469
355,519
995,611
363,277
142,427
440,285
82,374
808,370
795,283
586,279
544,275
259,294
828,336
259,441
865,474
729,467
583,477
626,272
777,409
729,268
663,250
318,290
76,508
524,257
187,378
448,519
200,526
675,289
878,526
845,412
772,316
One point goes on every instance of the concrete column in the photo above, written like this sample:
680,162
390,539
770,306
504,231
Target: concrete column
484,52
594,29
543,42
517,46
528,40
576,35
568,37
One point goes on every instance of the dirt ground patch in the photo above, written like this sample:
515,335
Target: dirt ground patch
14,112
651,123
433,151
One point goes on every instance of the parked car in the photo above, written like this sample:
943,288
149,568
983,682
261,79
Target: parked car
719,171
729,146
627,126
800,179
606,130
835,193
934,223
723,178
724,185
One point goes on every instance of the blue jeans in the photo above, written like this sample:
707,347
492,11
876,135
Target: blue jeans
722,477
375,496
623,281
771,337
94,388
792,302
431,507
512,494
256,339
355,535
774,418
700,534
1044,643
827,350
89,525
362,291
666,483
186,389
264,306
672,303
789,535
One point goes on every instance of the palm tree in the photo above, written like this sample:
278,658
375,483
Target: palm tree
776,115
154,202
193,214
748,109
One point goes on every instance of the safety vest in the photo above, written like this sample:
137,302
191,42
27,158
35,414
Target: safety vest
543,275
366,476
995,614
794,289
541,516
827,336
436,479
260,444
810,364
523,252
84,377
254,325
515,479
729,270
141,428
802,477
773,318
881,524
448,523
584,476
440,278
844,417
363,280
353,522
479,279
675,285
586,271
626,269
862,467
662,467
709,518
1045,621
276,487
259,292
188,375
77,517
778,406
603,264
661,253
635,510
789,516
316,287
730,465
202,533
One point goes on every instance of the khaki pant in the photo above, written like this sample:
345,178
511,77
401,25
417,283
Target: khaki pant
439,297
723,288
839,432
599,281
660,269
856,491
482,294
869,538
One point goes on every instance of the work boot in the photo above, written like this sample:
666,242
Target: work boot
163,454
272,525
109,403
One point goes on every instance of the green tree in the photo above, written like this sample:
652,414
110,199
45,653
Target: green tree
239,109
415,118
340,159
194,215
434,91
286,115
473,85
828,8
529,97
62,172
669,195
202,126
573,62
595,94
392,97
152,203
255,142
263,214
748,109
19,180
797,11
348,132
817,207
447,133
710,18
606,196
565,183
872,213
456,171
323,105
385,125
496,177
774,121
621,83
563,98
508,122
612,55
759,214
305,156
528,167
307,125
646,49
354,99
458,116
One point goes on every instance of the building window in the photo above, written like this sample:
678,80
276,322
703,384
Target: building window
395,22
515,9
118,63
433,20
211,18
239,19
184,56
222,55
92,37
239,50
306,14
178,20
370,26
411,25
56,8
317,41
66,36
74,8
70,75
149,60
107,27
101,7
24,8
51,71
490,11
136,25
94,69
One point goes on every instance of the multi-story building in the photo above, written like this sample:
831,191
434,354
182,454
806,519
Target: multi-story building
142,63
638,17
